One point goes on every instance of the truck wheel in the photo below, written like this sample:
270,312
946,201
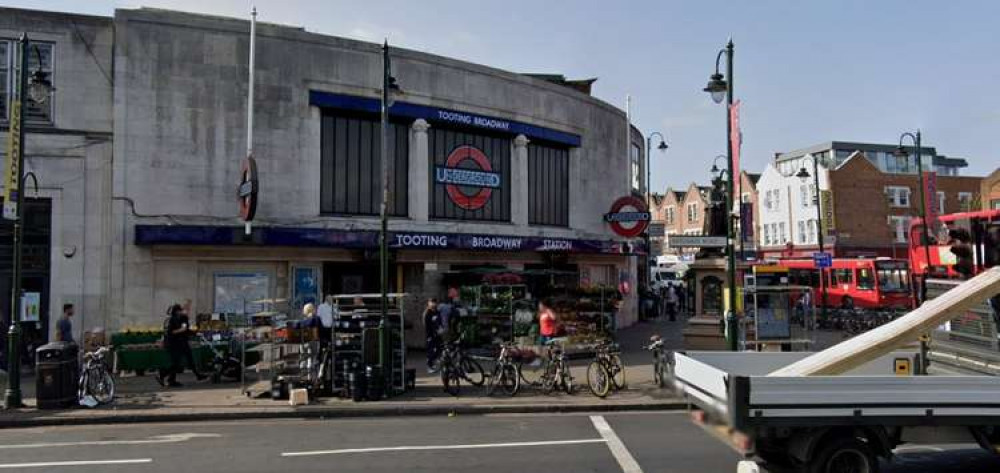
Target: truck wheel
845,455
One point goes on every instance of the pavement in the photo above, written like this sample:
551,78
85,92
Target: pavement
140,399
634,442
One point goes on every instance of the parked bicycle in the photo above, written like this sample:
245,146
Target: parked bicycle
556,374
606,371
96,381
661,360
455,365
506,374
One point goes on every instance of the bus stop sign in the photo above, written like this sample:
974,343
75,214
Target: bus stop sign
822,260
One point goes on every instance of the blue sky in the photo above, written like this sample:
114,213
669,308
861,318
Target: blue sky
806,71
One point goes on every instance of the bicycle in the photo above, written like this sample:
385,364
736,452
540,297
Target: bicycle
556,374
455,365
506,372
661,360
606,371
96,381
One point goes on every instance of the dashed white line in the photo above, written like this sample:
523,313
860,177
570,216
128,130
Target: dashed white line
74,463
621,454
441,447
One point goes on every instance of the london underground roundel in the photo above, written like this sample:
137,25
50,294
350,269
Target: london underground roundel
468,177
248,189
628,216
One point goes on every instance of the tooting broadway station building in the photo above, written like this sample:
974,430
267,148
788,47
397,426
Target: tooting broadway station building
486,168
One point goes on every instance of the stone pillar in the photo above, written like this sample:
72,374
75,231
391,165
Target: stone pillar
519,181
419,173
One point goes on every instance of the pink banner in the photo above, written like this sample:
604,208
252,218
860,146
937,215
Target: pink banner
736,136
930,196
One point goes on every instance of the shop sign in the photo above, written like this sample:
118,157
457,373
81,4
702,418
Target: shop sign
628,216
247,191
480,178
827,211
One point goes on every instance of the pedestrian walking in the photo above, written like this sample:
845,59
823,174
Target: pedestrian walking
433,330
174,337
672,300
64,327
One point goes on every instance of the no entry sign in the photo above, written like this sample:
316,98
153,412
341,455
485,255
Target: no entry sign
628,216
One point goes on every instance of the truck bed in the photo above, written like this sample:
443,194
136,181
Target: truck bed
734,388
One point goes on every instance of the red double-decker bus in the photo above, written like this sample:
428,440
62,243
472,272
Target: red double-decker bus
959,245
865,283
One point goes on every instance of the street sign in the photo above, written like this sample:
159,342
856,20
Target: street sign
823,260
696,241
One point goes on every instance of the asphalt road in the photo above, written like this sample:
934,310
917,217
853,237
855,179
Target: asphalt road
632,443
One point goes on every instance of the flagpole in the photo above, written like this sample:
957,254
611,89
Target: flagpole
253,51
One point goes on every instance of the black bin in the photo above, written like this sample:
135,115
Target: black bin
57,373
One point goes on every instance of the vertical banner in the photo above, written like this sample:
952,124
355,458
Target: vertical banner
827,210
930,197
11,168
746,221
736,136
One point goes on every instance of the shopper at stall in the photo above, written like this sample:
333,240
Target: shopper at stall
325,313
186,341
672,300
548,323
174,340
433,329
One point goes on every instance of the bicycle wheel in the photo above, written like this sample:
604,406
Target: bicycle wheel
548,379
509,381
472,371
567,379
617,370
101,385
451,379
83,385
598,379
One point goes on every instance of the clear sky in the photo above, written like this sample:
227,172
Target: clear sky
806,71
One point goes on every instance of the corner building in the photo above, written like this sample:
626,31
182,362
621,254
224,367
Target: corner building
486,167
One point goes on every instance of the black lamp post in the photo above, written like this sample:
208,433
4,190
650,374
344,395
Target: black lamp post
803,174
649,199
901,153
389,86
39,88
721,87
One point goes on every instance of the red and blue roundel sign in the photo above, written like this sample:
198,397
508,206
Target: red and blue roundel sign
468,177
628,216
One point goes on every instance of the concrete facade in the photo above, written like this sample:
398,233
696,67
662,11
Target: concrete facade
180,128
72,158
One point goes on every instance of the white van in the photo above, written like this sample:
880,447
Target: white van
673,275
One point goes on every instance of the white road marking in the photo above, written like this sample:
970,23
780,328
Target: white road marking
171,438
75,463
440,447
625,459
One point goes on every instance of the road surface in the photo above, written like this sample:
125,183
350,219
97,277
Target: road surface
625,442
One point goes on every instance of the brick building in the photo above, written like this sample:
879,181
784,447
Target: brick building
989,193
749,239
680,213
873,209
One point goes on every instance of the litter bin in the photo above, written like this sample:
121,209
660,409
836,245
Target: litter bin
57,372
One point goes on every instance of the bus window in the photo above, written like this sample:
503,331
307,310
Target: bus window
843,276
866,279
893,276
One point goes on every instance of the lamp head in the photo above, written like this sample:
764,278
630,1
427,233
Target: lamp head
802,174
39,86
717,87
663,146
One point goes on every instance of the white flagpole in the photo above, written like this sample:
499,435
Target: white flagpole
253,44
628,141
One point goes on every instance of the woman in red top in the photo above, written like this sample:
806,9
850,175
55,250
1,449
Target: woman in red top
547,321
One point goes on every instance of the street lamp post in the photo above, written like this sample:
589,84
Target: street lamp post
389,86
803,174
649,199
40,87
721,87
901,152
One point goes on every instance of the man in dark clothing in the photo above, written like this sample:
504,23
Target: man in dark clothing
186,343
175,342
64,327
433,330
